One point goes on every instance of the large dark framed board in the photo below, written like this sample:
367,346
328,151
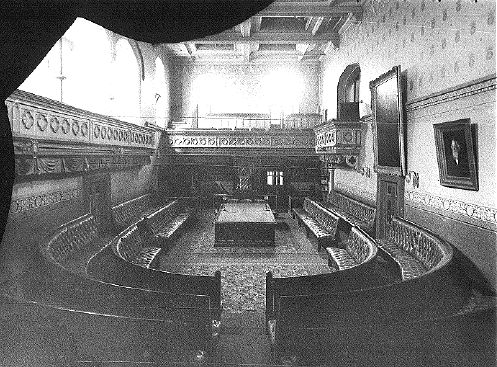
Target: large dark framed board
388,123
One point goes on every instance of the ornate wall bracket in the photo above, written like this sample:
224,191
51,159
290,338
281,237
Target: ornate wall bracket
51,137
338,143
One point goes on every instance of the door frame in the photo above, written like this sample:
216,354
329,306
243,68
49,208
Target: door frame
399,207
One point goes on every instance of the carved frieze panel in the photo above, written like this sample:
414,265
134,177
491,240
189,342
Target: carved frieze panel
32,116
27,204
476,212
339,137
241,139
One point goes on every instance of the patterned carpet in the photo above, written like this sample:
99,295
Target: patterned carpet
243,269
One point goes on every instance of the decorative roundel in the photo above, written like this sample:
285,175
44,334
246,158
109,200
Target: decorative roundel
224,141
54,124
347,136
75,127
27,119
177,141
171,141
103,132
96,131
250,141
194,141
212,141
84,128
351,160
65,126
42,122
202,141
187,141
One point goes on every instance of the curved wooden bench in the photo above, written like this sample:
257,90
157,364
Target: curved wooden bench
359,248
357,213
411,250
319,221
134,248
361,275
165,222
189,307
439,291
133,210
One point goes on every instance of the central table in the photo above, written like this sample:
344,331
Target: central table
244,224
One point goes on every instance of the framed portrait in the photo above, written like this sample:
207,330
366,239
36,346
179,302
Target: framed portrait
456,154
388,123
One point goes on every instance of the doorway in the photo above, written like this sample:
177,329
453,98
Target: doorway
389,202
98,196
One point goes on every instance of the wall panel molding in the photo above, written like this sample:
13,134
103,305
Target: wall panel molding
478,215
31,203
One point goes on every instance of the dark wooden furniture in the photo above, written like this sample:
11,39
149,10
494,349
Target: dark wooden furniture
133,210
165,222
353,211
306,308
412,252
318,221
245,224
185,307
358,249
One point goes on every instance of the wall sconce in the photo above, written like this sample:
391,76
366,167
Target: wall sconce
412,179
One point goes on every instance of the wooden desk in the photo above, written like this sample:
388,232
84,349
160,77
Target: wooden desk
244,224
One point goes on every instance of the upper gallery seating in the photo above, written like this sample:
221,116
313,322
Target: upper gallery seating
333,316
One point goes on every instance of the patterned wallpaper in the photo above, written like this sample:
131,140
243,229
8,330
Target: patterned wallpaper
439,44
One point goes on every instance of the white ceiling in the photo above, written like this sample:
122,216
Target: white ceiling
286,30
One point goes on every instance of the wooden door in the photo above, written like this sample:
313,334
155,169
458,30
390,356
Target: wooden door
389,202
98,193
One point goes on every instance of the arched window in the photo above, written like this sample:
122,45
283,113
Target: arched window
86,55
283,89
126,84
76,70
348,84
161,94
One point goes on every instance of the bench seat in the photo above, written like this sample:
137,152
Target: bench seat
318,221
146,256
340,259
168,229
410,267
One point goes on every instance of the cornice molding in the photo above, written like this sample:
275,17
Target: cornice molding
465,90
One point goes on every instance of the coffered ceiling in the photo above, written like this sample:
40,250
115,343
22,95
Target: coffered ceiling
287,30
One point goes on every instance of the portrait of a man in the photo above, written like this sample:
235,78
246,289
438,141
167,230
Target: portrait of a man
456,154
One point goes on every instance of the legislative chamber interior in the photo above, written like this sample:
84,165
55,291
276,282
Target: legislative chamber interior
306,183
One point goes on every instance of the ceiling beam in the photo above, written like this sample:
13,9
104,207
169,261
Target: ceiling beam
271,37
256,24
245,27
308,9
316,25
